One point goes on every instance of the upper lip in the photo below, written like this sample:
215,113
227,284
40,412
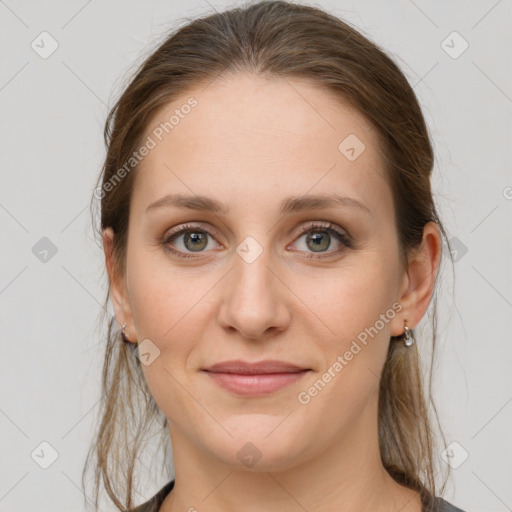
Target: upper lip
260,367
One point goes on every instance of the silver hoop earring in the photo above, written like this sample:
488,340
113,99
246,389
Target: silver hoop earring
408,336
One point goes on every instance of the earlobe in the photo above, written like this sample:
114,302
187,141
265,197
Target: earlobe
419,281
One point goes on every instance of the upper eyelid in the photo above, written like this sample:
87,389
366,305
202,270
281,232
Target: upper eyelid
188,226
318,224
325,224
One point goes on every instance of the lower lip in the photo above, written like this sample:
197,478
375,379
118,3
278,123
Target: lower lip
260,384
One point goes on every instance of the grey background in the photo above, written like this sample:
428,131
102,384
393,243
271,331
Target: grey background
52,112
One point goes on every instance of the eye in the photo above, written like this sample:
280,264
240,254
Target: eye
194,239
191,239
318,237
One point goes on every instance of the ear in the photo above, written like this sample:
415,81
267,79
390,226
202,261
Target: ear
419,280
117,285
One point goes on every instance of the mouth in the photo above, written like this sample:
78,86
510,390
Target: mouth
255,379
255,368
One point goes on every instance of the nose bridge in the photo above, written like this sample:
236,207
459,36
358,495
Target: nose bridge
252,268
253,300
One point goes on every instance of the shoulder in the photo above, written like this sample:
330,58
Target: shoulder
153,504
445,506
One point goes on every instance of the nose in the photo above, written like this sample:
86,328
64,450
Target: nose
255,299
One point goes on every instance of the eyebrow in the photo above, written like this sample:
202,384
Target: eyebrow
292,204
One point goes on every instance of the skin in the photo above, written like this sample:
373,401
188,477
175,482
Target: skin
249,143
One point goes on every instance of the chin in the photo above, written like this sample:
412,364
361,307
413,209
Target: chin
263,447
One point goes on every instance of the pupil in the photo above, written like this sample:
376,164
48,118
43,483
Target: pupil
195,238
317,240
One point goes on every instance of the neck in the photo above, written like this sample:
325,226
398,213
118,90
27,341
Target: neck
348,475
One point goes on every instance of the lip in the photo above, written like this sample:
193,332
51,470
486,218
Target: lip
255,379
257,368
255,385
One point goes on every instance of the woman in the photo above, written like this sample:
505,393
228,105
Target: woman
271,242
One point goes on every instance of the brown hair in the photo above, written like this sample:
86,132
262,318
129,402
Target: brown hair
272,39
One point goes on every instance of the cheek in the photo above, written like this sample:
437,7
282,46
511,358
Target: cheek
349,298
169,308
156,288
352,309
166,303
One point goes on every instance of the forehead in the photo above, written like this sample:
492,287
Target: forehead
247,137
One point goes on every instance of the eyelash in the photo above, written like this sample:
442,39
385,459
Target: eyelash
315,226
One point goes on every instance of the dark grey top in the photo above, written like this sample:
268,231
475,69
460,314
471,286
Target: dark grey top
153,504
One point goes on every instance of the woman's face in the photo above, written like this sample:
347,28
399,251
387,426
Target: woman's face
247,283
